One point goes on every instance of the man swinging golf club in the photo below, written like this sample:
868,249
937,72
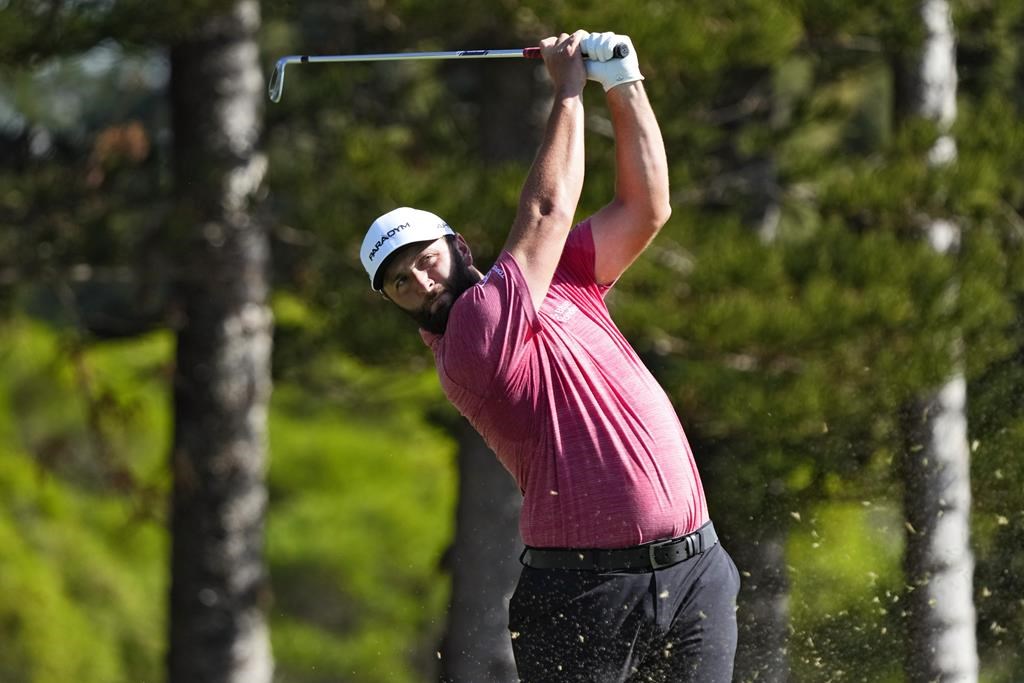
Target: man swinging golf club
623,578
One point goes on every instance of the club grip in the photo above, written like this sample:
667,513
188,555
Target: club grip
621,50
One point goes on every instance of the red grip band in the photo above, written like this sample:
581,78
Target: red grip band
621,51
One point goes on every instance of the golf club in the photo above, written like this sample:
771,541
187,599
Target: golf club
276,88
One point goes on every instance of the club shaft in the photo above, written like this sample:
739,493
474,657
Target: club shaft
401,56
276,87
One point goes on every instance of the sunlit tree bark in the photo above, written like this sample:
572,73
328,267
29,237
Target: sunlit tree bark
938,561
218,631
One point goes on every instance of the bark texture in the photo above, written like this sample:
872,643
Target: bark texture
484,567
938,561
218,631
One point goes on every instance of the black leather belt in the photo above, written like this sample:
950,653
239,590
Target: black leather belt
653,555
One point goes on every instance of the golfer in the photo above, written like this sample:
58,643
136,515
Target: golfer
624,578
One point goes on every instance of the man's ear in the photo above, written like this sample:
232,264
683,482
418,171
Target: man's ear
464,250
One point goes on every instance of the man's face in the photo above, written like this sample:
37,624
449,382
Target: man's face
424,280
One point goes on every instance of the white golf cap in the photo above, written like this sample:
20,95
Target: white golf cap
394,230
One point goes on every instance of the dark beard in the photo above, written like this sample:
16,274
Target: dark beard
462,278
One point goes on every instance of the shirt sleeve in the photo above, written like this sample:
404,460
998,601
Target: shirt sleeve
489,329
492,326
576,267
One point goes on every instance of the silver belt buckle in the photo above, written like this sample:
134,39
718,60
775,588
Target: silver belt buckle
655,564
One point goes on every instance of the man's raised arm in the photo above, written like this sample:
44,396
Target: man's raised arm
552,189
624,228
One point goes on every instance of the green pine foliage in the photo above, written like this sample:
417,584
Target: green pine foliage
83,571
855,545
362,505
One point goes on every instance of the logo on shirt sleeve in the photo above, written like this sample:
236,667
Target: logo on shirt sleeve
496,270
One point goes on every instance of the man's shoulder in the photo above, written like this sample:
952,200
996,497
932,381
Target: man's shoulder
491,297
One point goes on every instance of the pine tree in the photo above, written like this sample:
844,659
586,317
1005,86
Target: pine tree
483,566
938,562
218,629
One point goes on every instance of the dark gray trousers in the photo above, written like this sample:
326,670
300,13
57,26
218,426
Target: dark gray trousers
671,625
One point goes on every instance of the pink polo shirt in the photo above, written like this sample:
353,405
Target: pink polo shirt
570,410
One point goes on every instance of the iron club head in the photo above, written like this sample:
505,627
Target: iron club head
276,87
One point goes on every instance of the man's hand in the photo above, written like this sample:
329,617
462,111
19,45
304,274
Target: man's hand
564,61
602,65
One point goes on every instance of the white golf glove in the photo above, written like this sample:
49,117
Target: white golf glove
603,66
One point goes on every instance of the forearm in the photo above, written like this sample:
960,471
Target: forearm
552,187
549,197
641,181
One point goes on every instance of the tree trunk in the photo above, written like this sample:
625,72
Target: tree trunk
218,632
763,614
484,567
938,561
510,121
483,558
